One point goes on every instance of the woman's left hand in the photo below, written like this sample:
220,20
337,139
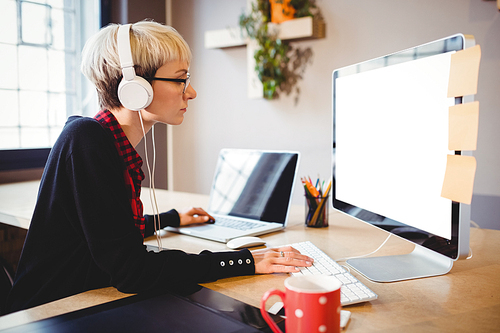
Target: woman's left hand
195,215
279,260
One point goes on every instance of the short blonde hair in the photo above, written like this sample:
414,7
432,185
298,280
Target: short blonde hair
153,45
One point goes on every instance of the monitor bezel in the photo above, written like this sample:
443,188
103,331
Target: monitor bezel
457,246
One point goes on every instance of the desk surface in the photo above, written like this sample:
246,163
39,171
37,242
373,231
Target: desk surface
465,300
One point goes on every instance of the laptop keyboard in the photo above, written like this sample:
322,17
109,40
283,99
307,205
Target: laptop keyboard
235,224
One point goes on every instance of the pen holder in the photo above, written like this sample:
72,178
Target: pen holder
317,211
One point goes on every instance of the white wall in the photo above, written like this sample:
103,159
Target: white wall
223,116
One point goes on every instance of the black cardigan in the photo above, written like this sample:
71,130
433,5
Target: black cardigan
82,234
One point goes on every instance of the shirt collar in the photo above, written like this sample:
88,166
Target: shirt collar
132,159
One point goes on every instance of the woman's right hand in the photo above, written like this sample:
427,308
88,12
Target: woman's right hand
195,215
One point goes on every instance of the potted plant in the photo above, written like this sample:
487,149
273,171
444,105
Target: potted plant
279,66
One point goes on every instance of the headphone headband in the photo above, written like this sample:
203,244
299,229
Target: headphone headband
134,92
125,52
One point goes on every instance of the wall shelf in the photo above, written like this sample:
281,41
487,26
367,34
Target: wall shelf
230,37
296,29
303,28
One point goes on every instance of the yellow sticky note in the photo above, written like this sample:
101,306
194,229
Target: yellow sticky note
459,178
463,126
464,72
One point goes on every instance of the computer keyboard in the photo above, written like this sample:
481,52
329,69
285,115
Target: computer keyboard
352,290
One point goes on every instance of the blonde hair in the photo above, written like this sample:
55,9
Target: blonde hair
153,45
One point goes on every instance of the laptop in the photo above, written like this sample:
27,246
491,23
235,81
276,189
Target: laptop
250,195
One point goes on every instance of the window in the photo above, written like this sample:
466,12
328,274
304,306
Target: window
40,80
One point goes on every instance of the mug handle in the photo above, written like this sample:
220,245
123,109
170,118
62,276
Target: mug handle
263,311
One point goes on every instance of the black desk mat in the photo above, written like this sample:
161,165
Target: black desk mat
194,309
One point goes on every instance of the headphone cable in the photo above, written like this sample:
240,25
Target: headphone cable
152,194
157,221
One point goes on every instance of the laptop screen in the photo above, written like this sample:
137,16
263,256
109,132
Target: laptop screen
253,184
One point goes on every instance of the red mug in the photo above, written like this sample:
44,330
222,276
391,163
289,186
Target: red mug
312,304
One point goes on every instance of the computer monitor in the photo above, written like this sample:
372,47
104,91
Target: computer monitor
390,145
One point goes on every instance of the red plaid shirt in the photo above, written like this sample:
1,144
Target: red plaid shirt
132,173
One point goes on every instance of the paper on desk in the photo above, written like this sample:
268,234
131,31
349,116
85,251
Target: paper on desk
459,178
463,126
464,72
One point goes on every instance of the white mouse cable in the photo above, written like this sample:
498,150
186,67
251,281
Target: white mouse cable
152,195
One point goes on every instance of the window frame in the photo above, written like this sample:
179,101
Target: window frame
18,159
33,158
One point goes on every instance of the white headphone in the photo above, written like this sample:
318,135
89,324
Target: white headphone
134,92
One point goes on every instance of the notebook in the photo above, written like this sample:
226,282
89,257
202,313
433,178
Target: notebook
250,195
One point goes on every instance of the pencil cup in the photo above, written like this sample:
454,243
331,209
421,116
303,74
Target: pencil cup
317,211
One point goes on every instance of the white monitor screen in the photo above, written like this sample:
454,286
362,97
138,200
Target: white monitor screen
392,139
390,144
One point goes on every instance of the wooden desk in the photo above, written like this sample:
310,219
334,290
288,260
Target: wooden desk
465,300
17,201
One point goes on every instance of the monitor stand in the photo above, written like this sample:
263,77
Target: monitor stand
420,263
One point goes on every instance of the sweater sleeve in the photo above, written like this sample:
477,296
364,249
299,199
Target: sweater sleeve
105,217
167,219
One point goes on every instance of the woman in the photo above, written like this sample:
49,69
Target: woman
87,229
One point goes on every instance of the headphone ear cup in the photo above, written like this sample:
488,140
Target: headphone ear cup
135,94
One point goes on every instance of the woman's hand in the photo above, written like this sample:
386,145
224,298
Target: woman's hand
194,215
279,260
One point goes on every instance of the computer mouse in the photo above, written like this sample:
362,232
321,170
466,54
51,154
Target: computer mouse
242,242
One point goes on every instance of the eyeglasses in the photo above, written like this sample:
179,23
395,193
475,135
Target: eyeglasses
185,81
